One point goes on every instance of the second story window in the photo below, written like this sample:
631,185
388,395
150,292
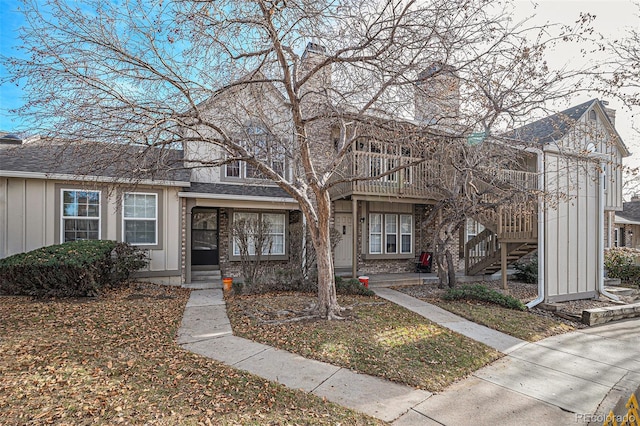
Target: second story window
266,148
233,169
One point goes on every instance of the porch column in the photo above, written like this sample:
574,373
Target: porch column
503,264
354,241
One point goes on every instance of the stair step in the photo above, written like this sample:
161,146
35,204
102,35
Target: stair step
202,278
206,276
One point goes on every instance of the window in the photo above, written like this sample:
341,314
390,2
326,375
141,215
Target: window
406,233
233,169
263,146
140,218
80,215
391,233
473,228
275,239
375,233
397,236
276,231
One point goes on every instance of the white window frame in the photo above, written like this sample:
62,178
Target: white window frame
260,216
63,217
390,219
380,233
125,219
237,163
273,234
384,219
402,234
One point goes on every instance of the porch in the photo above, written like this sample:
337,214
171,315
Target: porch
411,278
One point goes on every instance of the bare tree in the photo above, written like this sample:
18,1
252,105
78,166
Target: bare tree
227,81
621,75
253,239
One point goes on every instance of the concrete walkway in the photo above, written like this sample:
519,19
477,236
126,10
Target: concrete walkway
561,380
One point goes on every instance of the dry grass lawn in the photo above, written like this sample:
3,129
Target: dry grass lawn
114,360
377,337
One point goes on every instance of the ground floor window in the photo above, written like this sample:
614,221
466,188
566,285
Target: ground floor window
472,229
390,233
140,218
80,215
273,226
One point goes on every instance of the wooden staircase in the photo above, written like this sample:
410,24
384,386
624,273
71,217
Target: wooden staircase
510,233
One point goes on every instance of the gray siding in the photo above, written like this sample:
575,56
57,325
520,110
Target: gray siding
572,229
30,218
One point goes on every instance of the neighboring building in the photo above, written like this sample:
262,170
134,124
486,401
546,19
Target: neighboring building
184,217
581,156
626,226
52,192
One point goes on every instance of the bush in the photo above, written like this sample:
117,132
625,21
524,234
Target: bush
527,272
72,269
622,262
352,287
281,282
479,292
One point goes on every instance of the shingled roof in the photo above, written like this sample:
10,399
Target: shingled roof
552,128
242,190
95,160
630,210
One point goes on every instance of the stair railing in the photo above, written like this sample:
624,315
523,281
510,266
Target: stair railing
480,249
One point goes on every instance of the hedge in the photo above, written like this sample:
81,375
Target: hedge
72,269
623,263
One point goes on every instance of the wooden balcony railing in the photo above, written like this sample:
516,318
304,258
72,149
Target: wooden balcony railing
420,180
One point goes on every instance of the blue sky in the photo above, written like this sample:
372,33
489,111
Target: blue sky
10,94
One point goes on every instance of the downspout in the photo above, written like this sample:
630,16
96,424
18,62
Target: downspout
541,226
601,200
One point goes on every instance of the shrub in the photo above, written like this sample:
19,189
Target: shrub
72,269
479,292
280,282
352,287
527,272
622,262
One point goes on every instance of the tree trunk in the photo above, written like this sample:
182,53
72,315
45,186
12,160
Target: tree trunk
328,307
451,268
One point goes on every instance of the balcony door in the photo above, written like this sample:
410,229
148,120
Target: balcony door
204,237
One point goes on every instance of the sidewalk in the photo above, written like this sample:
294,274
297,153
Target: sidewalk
557,381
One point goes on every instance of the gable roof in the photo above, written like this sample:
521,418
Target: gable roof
630,211
556,126
553,127
94,161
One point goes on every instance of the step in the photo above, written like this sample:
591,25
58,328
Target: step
200,278
203,285
206,275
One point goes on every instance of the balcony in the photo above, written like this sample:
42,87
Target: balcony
422,180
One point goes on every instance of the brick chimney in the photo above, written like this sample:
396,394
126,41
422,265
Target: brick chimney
437,95
312,56
611,113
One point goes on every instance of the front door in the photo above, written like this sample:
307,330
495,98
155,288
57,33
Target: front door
343,252
204,237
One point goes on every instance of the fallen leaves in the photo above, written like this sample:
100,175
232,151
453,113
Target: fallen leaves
379,338
114,360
